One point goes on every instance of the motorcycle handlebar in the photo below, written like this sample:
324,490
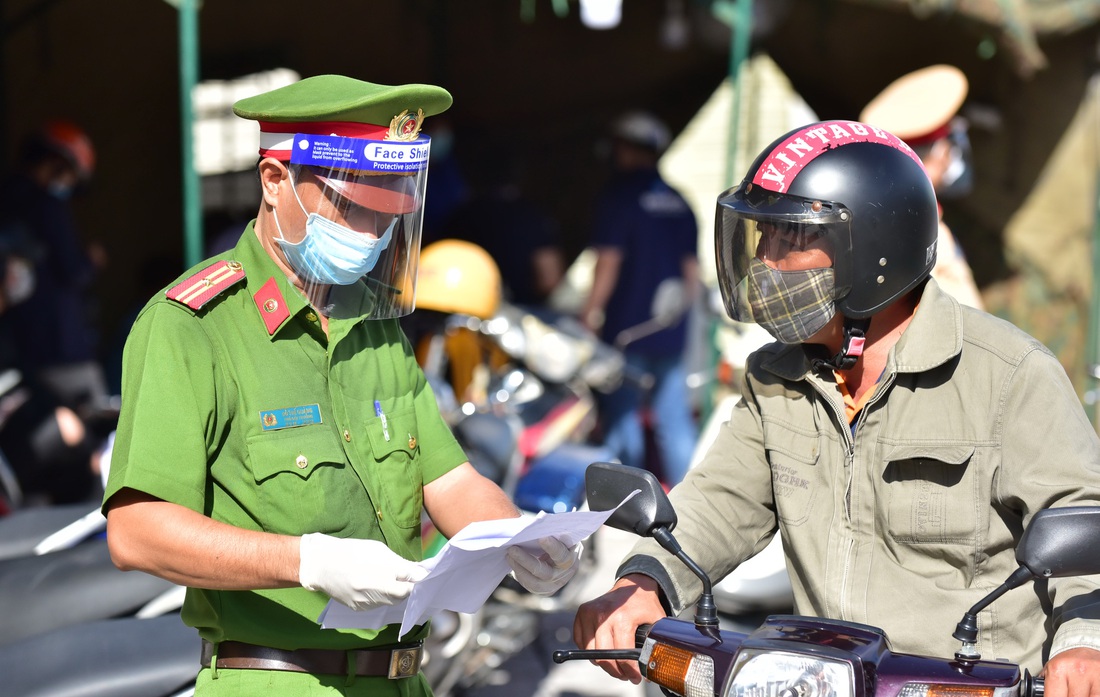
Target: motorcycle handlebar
1034,687
640,635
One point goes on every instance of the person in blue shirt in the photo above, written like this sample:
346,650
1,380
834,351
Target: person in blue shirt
53,331
645,238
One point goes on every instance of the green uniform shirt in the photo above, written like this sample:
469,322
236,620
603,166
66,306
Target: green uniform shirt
244,411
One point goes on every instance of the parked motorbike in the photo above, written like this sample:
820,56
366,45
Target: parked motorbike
792,656
119,633
61,595
130,657
524,423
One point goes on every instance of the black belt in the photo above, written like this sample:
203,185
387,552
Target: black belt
397,661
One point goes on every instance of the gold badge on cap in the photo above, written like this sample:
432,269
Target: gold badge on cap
406,126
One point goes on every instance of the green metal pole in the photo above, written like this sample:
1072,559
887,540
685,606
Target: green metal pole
1092,394
1092,339
189,72
739,53
740,36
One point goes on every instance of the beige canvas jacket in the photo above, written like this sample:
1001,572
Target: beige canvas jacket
909,522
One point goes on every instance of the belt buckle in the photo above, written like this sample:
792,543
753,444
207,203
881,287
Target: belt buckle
404,663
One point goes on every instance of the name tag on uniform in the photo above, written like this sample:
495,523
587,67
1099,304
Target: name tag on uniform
274,419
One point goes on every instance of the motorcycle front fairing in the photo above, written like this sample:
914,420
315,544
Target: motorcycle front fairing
791,656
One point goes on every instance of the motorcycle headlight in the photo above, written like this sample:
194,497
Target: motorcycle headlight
758,673
679,670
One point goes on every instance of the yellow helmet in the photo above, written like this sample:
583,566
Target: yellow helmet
458,276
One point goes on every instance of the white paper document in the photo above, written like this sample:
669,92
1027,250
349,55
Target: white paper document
465,572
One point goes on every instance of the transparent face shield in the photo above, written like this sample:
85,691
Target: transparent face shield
357,253
776,258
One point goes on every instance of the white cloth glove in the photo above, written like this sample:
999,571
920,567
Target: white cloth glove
358,573
546,573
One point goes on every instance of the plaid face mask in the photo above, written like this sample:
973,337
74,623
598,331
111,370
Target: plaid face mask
791,305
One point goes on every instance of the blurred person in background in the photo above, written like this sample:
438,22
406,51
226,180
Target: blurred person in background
50,449
645,239
521,237
922,108
53,332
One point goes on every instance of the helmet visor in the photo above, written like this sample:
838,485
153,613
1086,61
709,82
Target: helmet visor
363,201
768,245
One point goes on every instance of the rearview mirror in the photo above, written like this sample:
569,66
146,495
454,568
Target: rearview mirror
607,484
1062,542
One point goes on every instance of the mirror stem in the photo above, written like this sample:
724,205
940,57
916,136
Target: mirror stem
706,613
966,630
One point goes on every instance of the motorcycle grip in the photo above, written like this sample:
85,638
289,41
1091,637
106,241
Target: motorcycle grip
640,635
596,655
1038,687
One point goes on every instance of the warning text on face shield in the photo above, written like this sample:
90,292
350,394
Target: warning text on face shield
359,154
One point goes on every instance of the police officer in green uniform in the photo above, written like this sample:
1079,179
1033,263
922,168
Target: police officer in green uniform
278,441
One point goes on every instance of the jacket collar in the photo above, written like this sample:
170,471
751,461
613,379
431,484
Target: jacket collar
933,337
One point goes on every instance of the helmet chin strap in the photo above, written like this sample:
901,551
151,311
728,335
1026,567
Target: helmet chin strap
855,336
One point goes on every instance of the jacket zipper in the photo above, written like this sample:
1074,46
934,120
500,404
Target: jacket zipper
879,391
850,451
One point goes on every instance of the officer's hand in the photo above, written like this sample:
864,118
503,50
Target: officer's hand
545,573
609,621
358,573
1073,673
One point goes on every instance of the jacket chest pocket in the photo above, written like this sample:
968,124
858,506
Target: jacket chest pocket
932,494
793,458
396,451
302,480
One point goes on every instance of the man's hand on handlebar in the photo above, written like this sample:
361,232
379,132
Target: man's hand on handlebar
1073,673
609,621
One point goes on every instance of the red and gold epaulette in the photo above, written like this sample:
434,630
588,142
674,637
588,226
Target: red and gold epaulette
199,289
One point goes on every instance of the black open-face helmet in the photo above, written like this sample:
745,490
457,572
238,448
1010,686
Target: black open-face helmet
859,190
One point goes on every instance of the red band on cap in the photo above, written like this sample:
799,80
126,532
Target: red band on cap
941,132
345,129
783,164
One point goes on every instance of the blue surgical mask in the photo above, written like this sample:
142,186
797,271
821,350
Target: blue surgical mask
331,253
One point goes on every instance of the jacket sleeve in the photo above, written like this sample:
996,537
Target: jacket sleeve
1050,459
725,510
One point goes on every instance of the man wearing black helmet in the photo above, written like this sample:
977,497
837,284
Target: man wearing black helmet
898,440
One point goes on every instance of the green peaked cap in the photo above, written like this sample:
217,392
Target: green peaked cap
339,98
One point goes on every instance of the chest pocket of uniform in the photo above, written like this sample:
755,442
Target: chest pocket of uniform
397,451
302,479
932,493
793,459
